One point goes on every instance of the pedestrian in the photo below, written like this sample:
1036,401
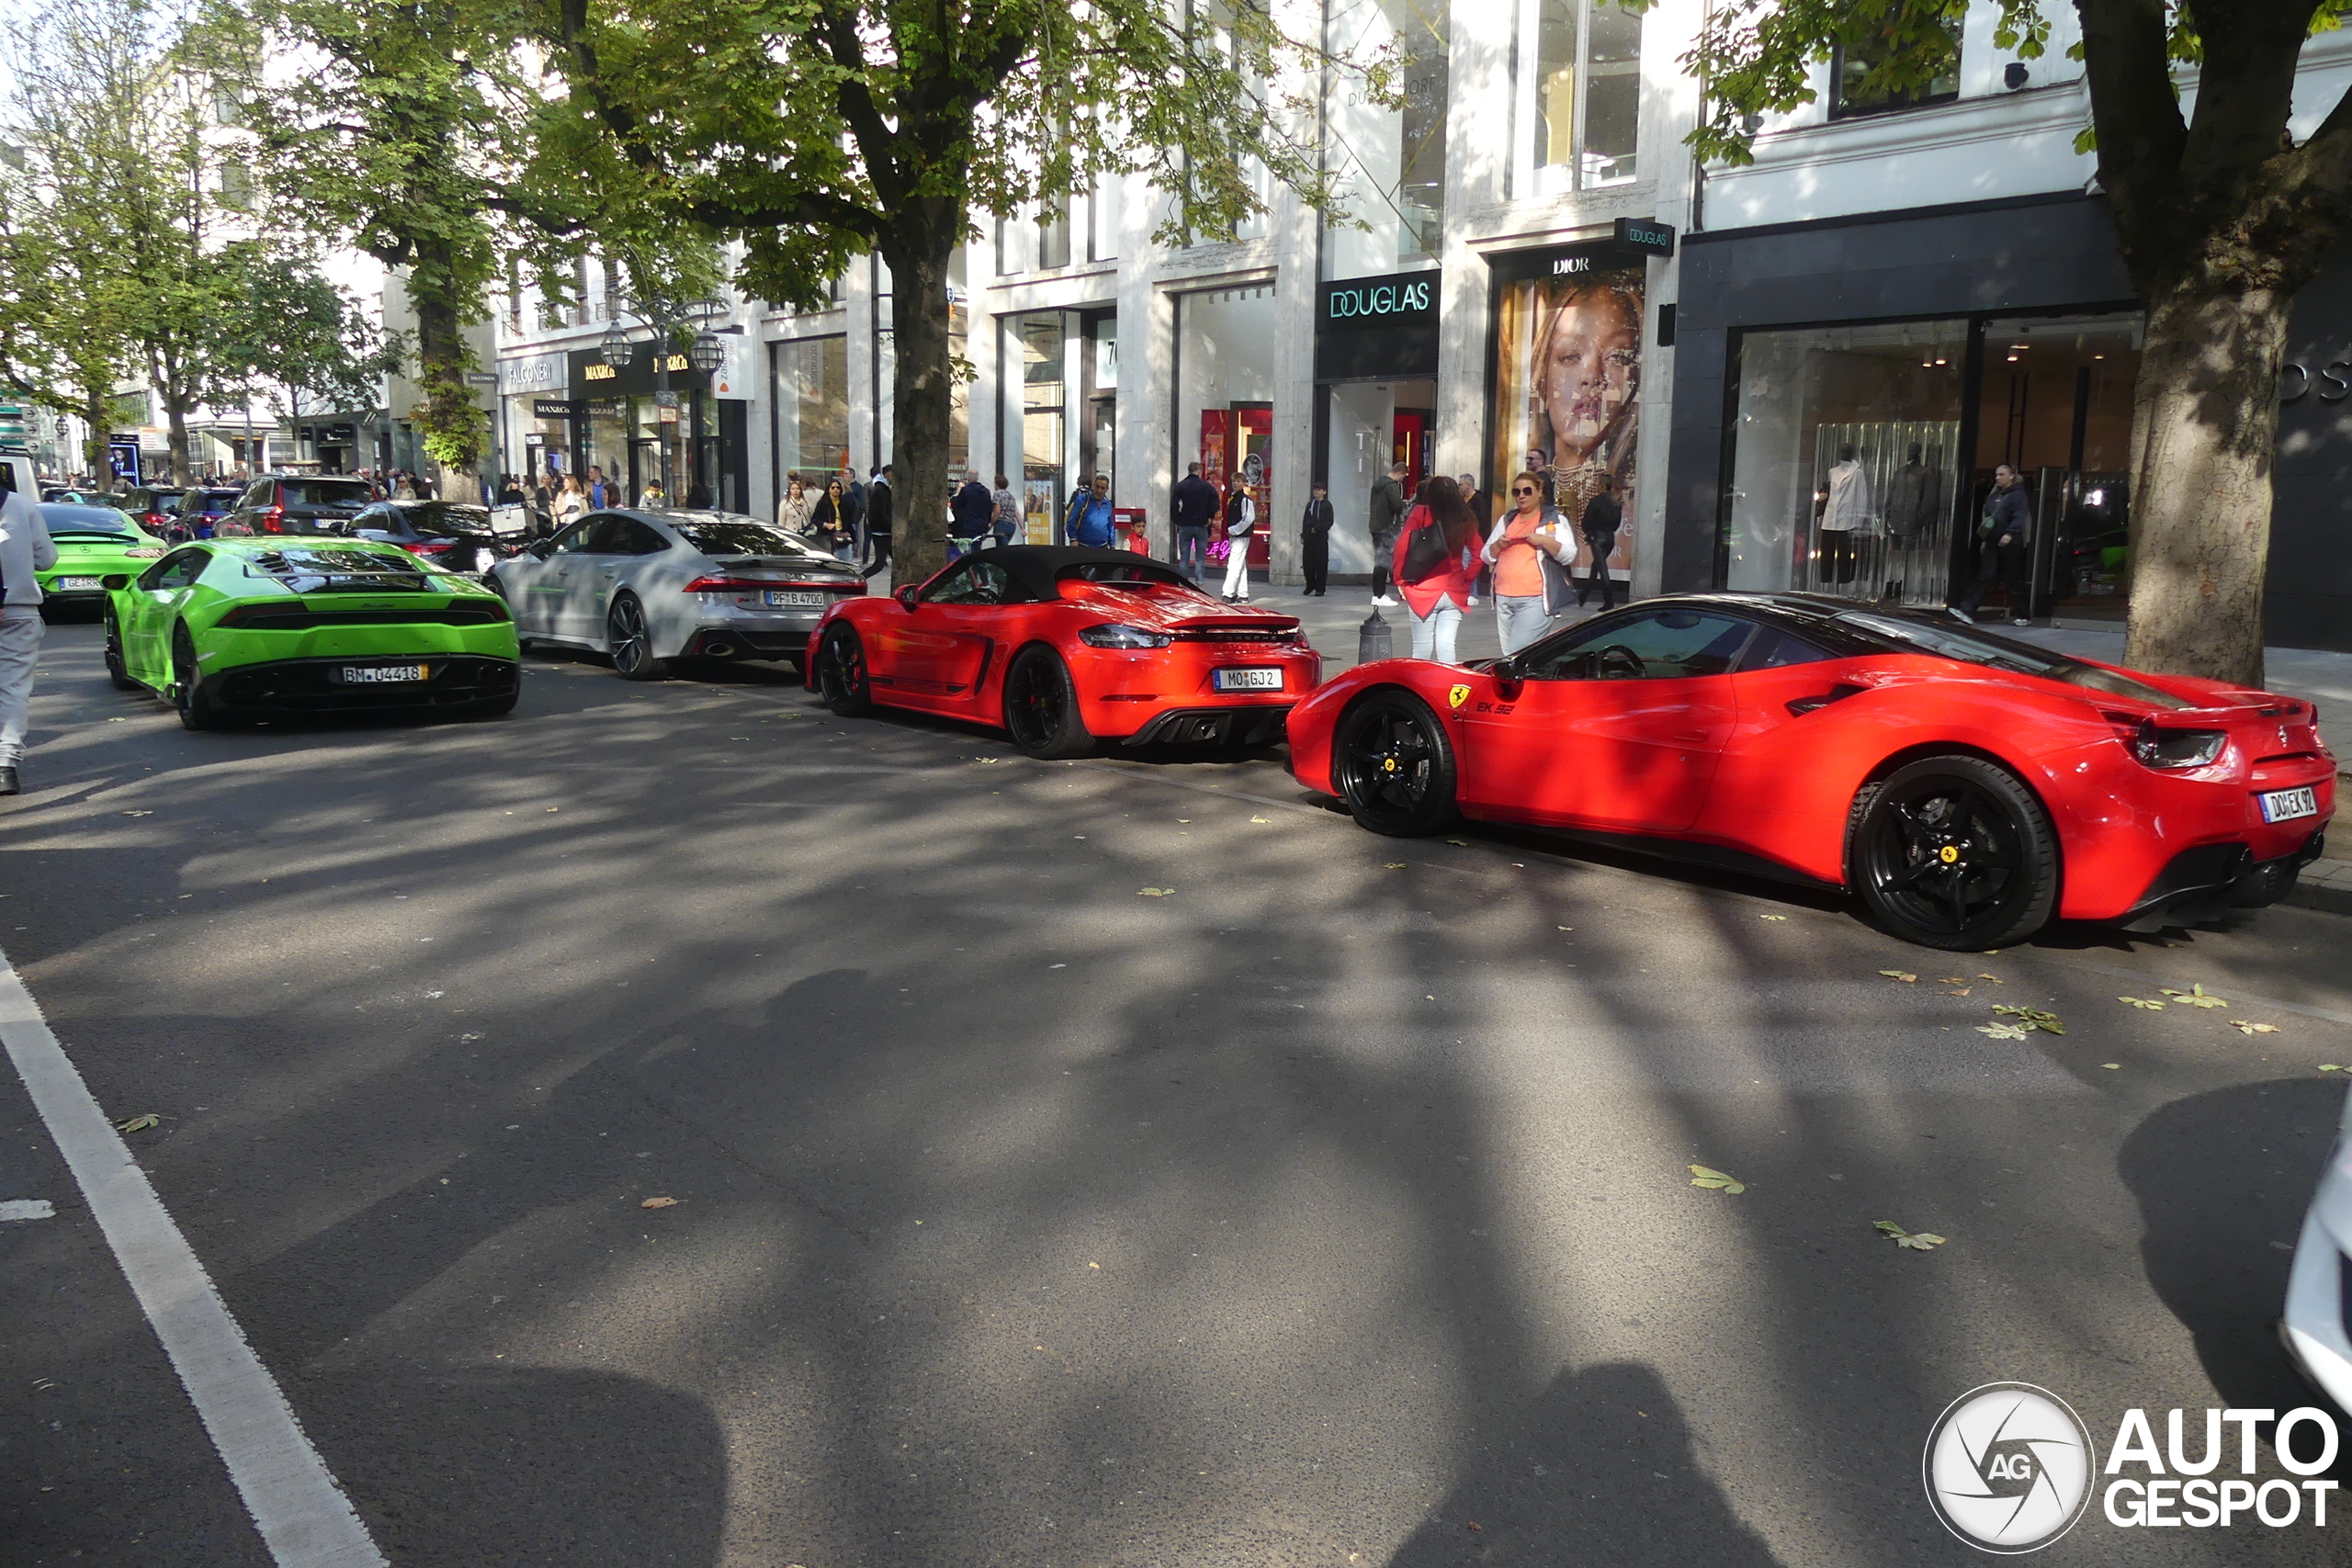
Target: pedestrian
792,512
404,487
25,548
571,501
510,492
542,498
1603,516
878,523
853,504
971,514
652,497
1845,511
1539,463
698,497
1435,567
1195,505
597,497
1481,504
1315,540
1088,520
1240,522
2003,536
1387,512
1531,536
826,523
1008,511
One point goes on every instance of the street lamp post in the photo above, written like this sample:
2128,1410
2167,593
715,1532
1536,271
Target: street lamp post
664,315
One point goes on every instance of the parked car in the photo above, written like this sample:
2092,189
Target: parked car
648,587
459,537
1067,647
201,511
296,504
1967,788
2317,1327
92,541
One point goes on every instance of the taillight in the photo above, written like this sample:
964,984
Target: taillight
274,520
2156,748
428,547
742,585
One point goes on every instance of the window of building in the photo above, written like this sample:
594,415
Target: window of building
1225,395
1579,96
1851,93
1036,434
1102,218
1392,161
810,378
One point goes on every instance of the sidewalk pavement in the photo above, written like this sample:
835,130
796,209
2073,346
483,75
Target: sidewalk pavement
1334,622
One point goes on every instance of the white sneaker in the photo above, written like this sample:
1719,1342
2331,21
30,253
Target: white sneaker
2021,621
1384,600
1957,613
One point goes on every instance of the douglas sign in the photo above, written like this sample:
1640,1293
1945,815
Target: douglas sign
1404,299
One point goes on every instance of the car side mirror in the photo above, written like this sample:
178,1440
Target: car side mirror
906,595
540,550
114,580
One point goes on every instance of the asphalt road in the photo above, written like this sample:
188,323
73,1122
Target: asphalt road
1332,1208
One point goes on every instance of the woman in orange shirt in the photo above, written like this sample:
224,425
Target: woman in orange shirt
1524,591
1438,597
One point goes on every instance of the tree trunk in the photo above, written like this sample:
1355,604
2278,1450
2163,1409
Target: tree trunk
2204,429
176,414
94,409
917,251
451,423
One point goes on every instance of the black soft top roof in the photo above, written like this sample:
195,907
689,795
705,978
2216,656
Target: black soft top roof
1035,568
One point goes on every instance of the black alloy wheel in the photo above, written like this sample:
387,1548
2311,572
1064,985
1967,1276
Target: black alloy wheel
117,671
841,673
195,710
1393,764
631,642
1041,706
1953,853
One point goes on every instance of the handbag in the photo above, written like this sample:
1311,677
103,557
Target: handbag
1425,550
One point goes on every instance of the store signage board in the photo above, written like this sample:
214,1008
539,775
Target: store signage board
550,408
1645,236
1397,299
1634,243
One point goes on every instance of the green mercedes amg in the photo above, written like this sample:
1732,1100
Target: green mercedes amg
93,541
229,629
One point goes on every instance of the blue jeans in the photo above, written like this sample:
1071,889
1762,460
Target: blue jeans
1433,638
1519,621
1192,549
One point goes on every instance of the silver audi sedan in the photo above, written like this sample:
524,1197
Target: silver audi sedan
648,587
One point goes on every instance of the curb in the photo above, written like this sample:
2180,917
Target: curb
2324,884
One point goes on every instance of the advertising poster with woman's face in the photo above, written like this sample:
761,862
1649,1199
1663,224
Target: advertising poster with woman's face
1568,385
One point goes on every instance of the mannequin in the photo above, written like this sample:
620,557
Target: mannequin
1846,508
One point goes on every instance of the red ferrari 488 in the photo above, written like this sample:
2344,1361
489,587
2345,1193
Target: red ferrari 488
1066,646
1967,788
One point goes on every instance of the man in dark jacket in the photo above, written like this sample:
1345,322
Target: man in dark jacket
854,507
972,514
1387,515
1603,516
1196,506
2004,536
1315,540
877,519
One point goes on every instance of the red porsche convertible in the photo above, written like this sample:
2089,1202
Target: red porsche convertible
1064,647
1967,788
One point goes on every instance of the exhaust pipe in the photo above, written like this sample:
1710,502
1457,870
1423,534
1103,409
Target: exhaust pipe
718,647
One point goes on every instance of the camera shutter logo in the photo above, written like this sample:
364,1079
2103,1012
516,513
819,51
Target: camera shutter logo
2008,1468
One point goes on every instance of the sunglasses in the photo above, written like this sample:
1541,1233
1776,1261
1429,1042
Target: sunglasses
1523,490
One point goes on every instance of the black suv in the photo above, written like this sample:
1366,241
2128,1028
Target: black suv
297,504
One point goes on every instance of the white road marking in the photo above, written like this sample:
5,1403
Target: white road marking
27,1208
302,1513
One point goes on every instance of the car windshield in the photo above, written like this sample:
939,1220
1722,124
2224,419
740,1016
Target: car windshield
740,537
1973,645
444,520
62,519
328,492
311,570
212,500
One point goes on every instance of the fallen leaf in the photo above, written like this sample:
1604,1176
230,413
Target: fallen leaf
139,814
1924,1241
139,1123
1771,916
2002,1031
2243,1027
1995,978
1464,843
1715,1180
1267,820
659,1204
1898,975
1154,892
1953,980
2143,1002
984,758
2112,1067
1961,992
1396,865
2196,997
2329,1067
1094,1266
2033,1018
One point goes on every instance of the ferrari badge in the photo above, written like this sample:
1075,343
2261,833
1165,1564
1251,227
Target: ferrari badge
1458,695
1949,854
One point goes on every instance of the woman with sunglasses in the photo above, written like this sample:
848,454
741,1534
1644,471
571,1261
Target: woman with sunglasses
1525,594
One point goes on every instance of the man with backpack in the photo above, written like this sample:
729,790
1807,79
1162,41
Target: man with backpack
1088,522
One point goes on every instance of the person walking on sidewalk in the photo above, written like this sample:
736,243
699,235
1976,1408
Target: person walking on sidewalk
1193,509
971,515
1088,520
1315,540
1526,597
2003,536
1439,578
878,520
1008,511
1387,513
1240,522
25,548
1603,516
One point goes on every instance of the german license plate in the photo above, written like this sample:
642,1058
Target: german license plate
78,585
2286,804
383,674
1247,679
784,599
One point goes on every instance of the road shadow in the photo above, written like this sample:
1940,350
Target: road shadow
1601,1468
2218,1235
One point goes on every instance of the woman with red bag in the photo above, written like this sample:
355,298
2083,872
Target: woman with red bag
1437,567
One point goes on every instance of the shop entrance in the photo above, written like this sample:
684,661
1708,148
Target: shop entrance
1365,426
2055,404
